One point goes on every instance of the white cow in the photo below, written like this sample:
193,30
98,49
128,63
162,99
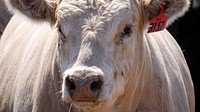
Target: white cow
97,53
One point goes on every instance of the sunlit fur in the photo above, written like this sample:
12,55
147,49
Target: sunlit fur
35,9
146,72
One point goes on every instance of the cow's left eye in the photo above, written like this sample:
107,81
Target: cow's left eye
127,31
125,34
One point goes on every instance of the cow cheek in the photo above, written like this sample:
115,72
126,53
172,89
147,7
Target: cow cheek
114,86
120,85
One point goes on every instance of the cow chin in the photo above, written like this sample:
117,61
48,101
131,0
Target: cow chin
91,105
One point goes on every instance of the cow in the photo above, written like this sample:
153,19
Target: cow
93,56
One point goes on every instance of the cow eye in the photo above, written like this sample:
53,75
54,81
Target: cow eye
127,31
62,37
125,34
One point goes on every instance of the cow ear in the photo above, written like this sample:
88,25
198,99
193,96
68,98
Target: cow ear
173,8
36,9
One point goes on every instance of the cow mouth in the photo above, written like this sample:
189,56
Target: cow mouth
87,104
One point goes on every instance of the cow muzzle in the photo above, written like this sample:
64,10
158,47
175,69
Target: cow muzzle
83,86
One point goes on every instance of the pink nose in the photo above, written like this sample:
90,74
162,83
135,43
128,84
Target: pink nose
84,87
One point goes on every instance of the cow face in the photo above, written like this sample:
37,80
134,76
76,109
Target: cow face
96,50
102,50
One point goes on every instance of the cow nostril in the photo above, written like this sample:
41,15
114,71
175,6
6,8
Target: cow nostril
70,84
96,85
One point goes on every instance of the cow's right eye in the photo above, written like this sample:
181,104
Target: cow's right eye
62,37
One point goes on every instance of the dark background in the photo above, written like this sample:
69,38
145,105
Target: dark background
4,17
186,31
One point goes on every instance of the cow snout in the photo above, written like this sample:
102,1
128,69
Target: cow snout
84,87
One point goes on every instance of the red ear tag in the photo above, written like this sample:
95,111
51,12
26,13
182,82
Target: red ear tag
158,23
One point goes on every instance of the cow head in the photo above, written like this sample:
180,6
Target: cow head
103,53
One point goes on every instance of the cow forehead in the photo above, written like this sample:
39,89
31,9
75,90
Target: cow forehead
92,15
102,8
